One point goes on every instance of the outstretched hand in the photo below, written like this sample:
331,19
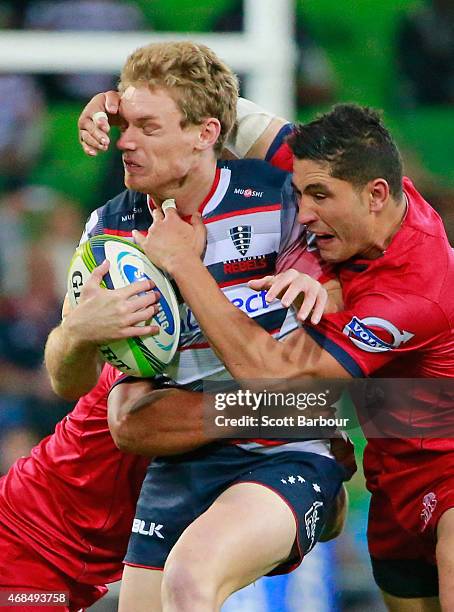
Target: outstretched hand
292,287
95,121
171,240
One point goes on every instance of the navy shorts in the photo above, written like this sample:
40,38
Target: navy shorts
177,490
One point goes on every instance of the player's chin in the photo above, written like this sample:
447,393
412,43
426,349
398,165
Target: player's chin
330,256
334,253
136,183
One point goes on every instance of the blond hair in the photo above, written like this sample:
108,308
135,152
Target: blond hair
199,82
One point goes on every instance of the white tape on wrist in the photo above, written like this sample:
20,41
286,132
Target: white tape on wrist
252,121
98,116
168,204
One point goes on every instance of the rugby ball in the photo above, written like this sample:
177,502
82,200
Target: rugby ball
143,356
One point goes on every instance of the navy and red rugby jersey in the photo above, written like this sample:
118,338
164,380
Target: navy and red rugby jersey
249,215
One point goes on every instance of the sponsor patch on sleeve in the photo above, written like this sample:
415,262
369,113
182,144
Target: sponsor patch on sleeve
375,335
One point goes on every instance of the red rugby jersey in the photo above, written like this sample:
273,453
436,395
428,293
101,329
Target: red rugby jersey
398,323
398,318
73,499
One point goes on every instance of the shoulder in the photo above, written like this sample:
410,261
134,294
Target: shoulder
126,211
257,171
127,200
430,259
421,216
124,201
247,186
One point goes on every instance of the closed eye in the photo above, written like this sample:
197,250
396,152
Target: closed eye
148,130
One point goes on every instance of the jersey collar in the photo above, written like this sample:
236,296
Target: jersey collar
211,197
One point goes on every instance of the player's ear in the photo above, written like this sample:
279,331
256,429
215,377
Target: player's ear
209,133
379,194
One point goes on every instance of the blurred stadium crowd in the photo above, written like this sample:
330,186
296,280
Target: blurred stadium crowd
404,64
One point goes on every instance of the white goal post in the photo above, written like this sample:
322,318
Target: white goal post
265,52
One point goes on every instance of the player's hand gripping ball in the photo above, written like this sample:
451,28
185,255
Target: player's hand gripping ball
138,356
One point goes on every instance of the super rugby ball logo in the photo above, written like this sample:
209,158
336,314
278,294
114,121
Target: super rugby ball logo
241,237
131,270
359,332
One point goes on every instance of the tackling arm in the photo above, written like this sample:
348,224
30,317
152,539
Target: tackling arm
247,350
252,136
254,131
155,422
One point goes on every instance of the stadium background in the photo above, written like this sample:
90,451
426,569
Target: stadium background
345,51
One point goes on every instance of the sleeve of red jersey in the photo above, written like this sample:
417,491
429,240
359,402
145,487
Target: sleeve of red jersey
279,153
118,378
378,329
113,377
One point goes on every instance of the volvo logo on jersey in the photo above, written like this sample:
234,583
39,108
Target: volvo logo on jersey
364,334
241,237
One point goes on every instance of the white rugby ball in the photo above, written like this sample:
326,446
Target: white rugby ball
138,356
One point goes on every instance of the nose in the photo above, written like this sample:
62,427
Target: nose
306,213
126,142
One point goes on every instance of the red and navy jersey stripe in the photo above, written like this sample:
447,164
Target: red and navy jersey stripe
279,154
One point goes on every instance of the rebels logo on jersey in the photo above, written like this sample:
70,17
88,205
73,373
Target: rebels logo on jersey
241,237
236,267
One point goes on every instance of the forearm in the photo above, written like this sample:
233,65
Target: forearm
254,131
73,367
159,423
